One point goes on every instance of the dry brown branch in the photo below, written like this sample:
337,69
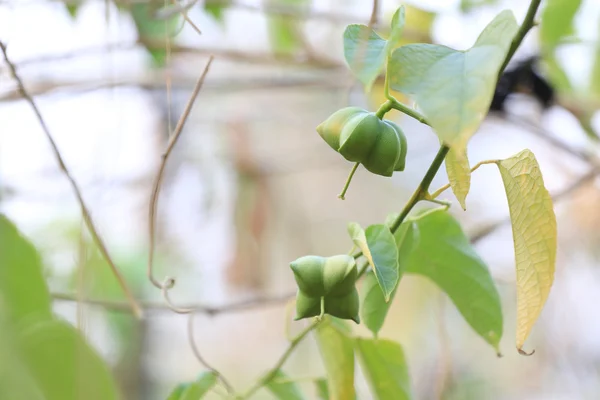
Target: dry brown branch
159,306
201,359
222,54
223,86
159,176
84,209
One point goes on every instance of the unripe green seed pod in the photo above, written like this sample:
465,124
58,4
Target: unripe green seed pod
331,280
331,129
401,163
360,136
308,273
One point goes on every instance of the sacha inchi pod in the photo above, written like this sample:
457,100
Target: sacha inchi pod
360,136
327,280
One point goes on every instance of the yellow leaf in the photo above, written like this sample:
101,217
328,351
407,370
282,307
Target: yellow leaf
534,236
459,174
337,351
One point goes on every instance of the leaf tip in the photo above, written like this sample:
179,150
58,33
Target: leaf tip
524,353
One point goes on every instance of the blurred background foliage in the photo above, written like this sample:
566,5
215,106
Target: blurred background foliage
251,187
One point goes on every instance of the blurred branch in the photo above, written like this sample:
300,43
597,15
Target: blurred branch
84,209
196,351
159,175
120,306
221,86
548,137
222,54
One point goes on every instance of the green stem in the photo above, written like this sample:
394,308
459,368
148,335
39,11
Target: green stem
527,24
273,371
322,307
408,111
345,189
423,187
384,109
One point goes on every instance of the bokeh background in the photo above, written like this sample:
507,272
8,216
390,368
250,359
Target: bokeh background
251,186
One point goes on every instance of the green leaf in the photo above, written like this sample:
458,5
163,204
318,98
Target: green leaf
366,52
442,252
337,352
398,21
286,33
72,9
194,390
284,389
178,391
454,88
23,291
153,32
459,174
197,389
385,368
64,365
217,10
534,236
322,389
374,307
379,247
557,21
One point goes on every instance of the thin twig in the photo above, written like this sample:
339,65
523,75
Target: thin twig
202,360
273,371
159,176
442,189
84,209
120,306
525,27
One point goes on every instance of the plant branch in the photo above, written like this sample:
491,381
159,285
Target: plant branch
273,371
119,306
201,359
434,195
159,176
525,27
74,186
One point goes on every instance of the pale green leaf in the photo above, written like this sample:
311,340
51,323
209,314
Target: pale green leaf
153,32
454,88
197,389
217,9
373,308
23,291
322,389
379,247
398,21
178,391
285,32
534,236
337,352
64,365
557,21
459,174
365,53
442,252
283,389
385,368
